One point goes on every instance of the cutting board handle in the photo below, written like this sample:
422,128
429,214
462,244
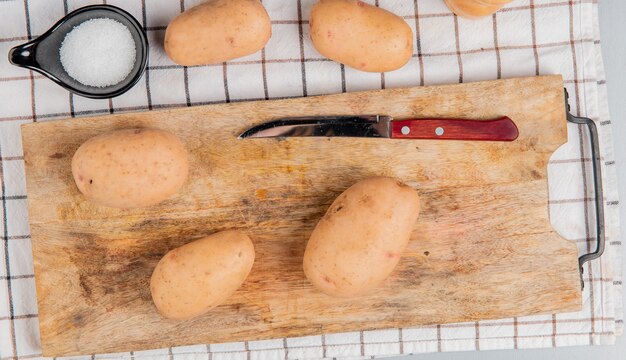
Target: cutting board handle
597,187
501,129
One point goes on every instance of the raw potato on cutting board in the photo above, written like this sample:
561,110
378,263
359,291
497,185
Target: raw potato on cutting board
484,247
196,277
360,239
217,31
130,168
360,35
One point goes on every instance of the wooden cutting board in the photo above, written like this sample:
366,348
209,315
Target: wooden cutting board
483,247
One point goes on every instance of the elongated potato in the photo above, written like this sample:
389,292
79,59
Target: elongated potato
217,31
358,243
360,35
194,278
130,168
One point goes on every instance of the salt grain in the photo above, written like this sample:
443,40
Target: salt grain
98,52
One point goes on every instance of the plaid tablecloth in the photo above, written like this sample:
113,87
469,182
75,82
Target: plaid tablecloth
526,38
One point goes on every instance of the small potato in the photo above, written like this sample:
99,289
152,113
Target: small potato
360,35
130,168
190,280
473,9
217,31
358,243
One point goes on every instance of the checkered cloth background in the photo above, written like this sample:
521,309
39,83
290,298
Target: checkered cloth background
526,38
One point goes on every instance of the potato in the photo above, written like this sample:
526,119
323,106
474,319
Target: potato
190,280
358,243
472,9
130,168
217,31
361,36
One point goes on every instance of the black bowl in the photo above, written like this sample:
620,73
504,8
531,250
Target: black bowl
42,54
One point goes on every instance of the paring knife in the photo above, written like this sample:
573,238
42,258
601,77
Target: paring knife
381,126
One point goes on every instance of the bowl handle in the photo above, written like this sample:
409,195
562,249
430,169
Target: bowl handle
24,55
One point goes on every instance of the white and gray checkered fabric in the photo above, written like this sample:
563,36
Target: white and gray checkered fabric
526,38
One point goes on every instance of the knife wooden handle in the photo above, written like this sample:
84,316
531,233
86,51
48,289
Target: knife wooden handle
502,129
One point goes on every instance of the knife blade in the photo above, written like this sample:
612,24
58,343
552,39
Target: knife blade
382,126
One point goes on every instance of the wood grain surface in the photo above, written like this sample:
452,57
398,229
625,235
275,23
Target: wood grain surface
483,247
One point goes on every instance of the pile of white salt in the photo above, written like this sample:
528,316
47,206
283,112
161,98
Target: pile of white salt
98,52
